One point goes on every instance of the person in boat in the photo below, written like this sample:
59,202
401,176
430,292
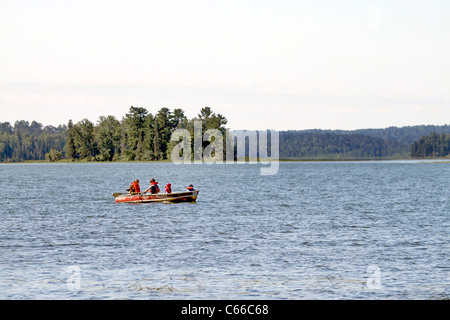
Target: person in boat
154,188
134,187
190,188
169,188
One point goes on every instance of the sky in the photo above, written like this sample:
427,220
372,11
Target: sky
281,65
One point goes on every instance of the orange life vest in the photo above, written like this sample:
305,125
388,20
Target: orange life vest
137,189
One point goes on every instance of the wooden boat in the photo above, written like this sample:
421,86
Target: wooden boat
186,196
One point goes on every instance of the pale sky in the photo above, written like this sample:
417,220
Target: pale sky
282,65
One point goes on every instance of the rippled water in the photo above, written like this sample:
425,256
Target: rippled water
315,230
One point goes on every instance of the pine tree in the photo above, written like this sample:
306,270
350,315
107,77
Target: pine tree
71,152
156,140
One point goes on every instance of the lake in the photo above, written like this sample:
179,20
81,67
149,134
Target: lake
315,230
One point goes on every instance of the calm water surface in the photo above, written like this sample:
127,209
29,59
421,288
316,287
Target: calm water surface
315,230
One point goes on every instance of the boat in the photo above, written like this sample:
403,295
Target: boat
186,196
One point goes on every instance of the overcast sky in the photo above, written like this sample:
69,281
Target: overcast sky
283,65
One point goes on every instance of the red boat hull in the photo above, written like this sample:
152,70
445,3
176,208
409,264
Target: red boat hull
188,196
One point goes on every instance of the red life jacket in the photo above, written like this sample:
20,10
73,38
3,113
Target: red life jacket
137,189
190,188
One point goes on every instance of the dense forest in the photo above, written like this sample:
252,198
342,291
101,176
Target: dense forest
143,136
433,145
25,141
392,142
405,135
332,146
138,136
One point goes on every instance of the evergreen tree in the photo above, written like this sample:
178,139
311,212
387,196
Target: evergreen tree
164,125
133,131
107,137
432,145
84,140
156,141
71,152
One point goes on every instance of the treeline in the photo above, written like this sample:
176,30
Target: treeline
405,135
139,136
392,142
143,136
332,146
25,141
433,145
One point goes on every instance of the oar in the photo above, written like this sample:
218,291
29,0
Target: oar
117,194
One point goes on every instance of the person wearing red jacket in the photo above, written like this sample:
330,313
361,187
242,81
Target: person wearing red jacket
134,187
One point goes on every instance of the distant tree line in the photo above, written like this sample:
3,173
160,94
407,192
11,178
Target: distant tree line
405,135
433,145
25,141
143,136
309,145
139,136
392,142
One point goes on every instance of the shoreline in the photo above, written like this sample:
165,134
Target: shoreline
434,160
